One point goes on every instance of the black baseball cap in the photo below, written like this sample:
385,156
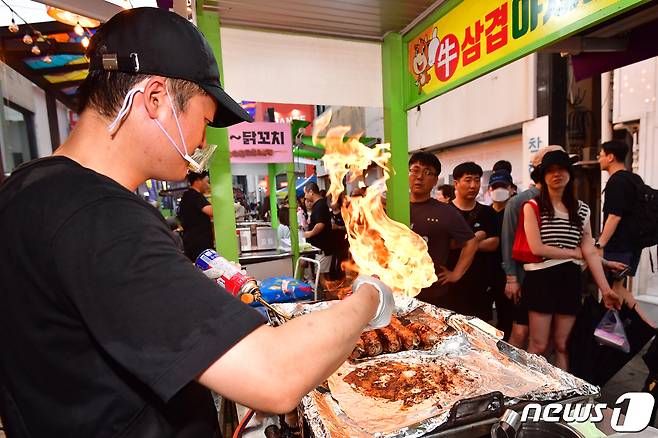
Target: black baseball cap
500,177
152,41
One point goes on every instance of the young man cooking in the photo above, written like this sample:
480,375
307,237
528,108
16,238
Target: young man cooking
440,226
106,327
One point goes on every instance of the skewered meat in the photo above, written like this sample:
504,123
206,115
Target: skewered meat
409,339
373,345
390,340
359,349
428,337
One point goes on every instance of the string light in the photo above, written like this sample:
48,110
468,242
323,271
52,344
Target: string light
13,27
47,59
85,42
27,38
79,30
36,50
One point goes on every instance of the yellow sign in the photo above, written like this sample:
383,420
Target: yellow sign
477,36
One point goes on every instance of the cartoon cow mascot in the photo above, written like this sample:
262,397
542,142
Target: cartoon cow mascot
423,59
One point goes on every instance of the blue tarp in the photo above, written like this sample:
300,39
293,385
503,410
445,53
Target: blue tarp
301,182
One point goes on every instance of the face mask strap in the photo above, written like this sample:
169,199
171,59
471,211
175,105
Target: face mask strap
125,109
191,163
173,109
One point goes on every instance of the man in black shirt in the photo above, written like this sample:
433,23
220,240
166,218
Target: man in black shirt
106,329
473,292
440,226
195,213
620,192
319,228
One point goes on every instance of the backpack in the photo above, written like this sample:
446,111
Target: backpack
644,215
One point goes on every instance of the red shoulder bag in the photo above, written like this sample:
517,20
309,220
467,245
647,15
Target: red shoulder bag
521,250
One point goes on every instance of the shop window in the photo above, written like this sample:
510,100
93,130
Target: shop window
18,138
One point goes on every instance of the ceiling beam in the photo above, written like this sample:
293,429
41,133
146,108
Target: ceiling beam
47,27
62,85
17,45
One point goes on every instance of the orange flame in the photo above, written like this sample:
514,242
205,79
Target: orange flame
379,245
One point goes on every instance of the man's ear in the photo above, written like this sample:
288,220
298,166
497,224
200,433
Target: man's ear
155,96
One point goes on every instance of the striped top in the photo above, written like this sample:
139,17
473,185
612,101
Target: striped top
557,231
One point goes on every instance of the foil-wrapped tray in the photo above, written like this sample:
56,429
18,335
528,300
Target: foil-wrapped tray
484,363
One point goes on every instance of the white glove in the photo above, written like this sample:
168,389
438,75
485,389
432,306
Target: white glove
386,305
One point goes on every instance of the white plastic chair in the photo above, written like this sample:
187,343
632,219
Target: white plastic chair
317,273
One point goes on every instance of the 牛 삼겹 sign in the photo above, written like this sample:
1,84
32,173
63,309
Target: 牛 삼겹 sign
260,142
473,37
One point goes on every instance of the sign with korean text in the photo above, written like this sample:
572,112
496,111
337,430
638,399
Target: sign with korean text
260,142
473,37
535,137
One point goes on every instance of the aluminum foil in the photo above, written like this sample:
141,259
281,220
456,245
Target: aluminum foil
496,365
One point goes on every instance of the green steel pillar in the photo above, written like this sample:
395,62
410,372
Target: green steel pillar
395,127
221,178
271,176
292,208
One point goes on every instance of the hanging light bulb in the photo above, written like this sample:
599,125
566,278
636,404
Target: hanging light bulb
78,29
47,59
13,27
85,42
27,39
36,50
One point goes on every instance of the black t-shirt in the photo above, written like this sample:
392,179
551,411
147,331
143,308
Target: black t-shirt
197,229
104,324
620,193
479,274
320,214
438,223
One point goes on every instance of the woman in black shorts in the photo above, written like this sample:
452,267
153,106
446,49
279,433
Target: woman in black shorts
563,238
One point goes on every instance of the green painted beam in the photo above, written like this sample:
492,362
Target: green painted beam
395,127
221,178
271,177
292,208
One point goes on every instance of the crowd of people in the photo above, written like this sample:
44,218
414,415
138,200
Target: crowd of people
321,224
524,255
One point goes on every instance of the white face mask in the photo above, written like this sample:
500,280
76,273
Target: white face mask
500,195
198,162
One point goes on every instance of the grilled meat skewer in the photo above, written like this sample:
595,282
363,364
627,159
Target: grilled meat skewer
428,337
390,340
373,345
409,339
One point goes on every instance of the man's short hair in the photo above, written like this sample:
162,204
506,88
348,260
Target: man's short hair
467,168
426,159
312,187
502,165
193,177
104,91
618,149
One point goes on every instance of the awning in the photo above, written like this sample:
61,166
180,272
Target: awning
641,45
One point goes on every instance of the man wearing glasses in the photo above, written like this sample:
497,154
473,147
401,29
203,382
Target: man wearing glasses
440,225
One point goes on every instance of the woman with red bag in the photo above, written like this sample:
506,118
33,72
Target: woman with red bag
558,230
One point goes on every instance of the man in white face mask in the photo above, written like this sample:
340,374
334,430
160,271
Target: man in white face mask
500,190
107,328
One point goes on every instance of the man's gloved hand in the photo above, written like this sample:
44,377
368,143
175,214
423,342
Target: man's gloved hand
386,305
